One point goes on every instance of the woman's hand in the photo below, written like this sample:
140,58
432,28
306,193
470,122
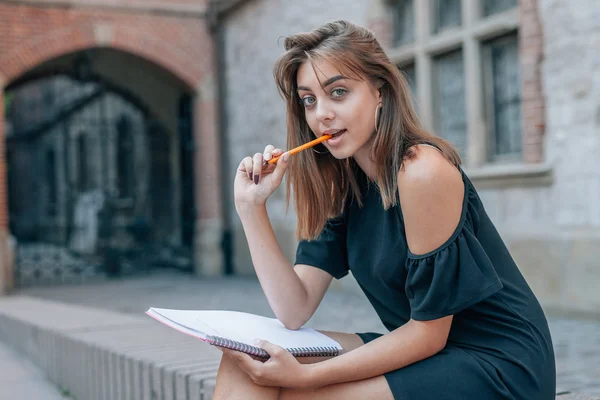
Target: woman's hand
281,370
254,183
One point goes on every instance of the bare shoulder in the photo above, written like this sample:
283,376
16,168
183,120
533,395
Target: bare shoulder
429,169
431,197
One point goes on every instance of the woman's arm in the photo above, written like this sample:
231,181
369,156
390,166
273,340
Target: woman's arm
293,293
412,342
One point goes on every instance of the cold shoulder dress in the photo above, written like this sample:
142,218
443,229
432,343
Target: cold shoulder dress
499,345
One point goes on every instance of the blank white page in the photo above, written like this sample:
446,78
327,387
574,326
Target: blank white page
245,328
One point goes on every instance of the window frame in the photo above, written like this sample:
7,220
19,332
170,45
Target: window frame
475,29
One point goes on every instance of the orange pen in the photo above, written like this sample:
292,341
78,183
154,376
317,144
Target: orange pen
300,148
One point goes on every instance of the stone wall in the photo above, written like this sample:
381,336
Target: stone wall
554,232
547,210
255,113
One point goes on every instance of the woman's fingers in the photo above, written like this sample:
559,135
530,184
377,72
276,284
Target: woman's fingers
277,152
257,166
280,168
247,164
268,153
254,166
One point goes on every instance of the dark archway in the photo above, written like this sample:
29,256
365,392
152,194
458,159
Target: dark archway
105,202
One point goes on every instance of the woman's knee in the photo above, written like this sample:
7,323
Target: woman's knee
229,367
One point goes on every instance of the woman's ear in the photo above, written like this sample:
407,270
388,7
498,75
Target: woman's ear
378,85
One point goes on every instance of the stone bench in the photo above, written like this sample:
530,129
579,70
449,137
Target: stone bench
103,355
97,354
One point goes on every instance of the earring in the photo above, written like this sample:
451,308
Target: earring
319,152
377,115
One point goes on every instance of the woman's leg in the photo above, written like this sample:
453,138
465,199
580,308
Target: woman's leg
368,389
233,383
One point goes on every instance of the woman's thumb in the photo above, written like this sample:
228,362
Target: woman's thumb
280,168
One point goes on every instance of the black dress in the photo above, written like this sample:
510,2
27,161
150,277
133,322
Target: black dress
499,346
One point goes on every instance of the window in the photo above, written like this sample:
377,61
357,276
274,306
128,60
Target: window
50,170
503,97
490,7
403,24
124,158
446,14
449,86
469,86
411,77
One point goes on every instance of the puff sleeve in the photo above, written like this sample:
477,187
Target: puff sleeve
328,251
453,277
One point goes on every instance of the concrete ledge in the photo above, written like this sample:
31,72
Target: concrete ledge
103,355
510,176
97,354
575,396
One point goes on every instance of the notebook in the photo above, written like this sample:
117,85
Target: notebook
237,331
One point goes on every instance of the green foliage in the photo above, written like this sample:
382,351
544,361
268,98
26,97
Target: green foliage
66,393
8,98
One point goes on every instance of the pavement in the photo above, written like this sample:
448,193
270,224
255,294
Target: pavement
576,341
23,380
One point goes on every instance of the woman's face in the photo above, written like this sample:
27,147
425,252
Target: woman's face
343,104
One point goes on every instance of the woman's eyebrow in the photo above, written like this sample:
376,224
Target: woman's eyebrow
326,83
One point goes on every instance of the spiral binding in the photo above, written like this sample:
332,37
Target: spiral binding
258,352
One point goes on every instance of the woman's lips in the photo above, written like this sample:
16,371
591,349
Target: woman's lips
336,137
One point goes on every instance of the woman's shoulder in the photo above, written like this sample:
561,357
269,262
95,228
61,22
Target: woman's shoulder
431,192
429,169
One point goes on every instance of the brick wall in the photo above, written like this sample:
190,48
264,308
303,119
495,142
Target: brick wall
30,35
173,35
3,187
532,106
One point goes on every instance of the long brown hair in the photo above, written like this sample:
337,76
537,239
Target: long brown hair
319,182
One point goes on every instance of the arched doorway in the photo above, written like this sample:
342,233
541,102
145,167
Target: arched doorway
95,174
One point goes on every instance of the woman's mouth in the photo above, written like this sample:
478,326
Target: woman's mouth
336,136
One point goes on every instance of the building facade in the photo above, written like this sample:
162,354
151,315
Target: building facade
510,82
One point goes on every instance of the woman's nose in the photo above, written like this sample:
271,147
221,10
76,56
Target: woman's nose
324,112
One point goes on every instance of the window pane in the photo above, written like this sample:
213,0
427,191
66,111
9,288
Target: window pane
446,13
411,77
450,113
404,28
494,6
506,96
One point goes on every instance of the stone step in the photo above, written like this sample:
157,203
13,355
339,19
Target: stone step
105,355
576,396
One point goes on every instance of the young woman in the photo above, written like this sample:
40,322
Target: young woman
388,201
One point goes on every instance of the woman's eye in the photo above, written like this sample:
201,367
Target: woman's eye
338,92
308,101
